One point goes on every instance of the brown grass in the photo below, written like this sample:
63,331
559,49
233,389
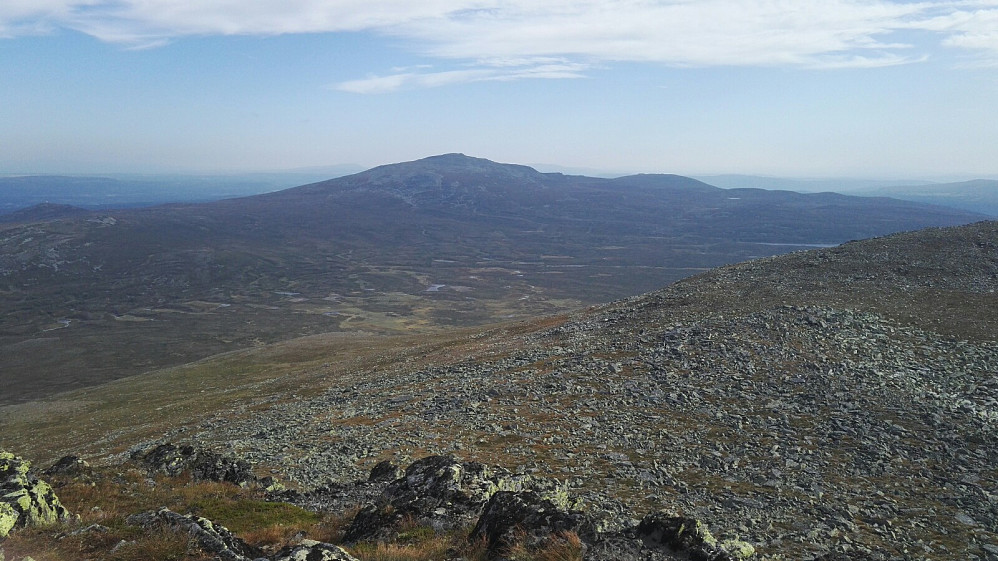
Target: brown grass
428,550
163,545
560,546
563,546
107,497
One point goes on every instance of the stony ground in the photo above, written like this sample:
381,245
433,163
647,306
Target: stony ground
836,402
840,403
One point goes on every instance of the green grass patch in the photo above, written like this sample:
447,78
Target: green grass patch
243,515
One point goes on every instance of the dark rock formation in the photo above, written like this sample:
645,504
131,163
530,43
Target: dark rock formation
511,511
386,471
67,465
689,536
213,538
526,518
201,464
438,491
25,500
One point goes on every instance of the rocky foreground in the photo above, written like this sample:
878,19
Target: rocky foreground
509,515
833,404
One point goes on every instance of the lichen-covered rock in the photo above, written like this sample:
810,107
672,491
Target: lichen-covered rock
511,518
201,464
738,549
687,535
310,550
25,500
444,493
270,484
8,519
213,538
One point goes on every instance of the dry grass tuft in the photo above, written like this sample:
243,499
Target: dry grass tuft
437,547
560,546
163,545
563,546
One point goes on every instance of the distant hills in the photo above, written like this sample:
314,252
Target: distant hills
129,191
444,241
980,195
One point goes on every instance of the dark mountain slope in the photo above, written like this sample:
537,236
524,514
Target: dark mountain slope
448,240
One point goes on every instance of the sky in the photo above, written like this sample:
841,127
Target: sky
794,88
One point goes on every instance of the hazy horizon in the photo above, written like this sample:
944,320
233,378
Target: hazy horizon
341,169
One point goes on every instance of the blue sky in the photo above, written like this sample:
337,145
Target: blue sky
803,88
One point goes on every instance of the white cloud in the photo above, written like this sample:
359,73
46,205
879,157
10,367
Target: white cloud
974,30
415,80
803,33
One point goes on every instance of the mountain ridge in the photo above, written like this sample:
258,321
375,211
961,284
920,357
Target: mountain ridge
977,195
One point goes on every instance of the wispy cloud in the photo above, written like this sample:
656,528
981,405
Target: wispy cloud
801,33
503,72
973,28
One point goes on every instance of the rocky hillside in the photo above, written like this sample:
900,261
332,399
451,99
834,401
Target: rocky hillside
836,403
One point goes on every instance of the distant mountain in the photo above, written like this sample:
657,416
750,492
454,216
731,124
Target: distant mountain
445,241
849,186
980,195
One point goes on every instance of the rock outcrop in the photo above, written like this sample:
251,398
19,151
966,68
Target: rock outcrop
525,518
201,464
441,492
67,465
220,542
511,511
213,538
25,500
689,535
310,550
